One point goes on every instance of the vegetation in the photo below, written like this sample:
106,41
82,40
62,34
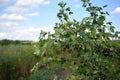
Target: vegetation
76,51
16,61
15,42
79,50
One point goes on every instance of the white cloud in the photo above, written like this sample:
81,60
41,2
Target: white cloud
16,9
18,12
24,5
31,33
4,2
31,3
2,35
14,17
33,14
47,2
116,11
9,24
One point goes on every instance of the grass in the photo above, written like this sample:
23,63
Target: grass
16,61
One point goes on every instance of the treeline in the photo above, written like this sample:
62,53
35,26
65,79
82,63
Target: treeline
15,42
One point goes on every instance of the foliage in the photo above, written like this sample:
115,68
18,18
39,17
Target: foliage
82,49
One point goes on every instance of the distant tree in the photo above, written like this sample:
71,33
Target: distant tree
5,42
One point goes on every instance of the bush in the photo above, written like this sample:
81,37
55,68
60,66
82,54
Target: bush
82,49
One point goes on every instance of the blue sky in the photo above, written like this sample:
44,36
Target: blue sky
24,19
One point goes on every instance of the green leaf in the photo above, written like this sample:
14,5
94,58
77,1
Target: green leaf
107,13
110,23
104,6
70,13
65,17
112,28
59,15
88,9
61,11
68,9
62,4
95,72
84,5
84,0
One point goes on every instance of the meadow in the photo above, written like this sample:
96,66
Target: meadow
16,61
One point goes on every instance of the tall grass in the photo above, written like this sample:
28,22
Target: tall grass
16,61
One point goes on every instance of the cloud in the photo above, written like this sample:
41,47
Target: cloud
31,3
2,35
116,11
4,2
33,14
16,9
9,24
31,33
47,2
24,5
13,17
18,12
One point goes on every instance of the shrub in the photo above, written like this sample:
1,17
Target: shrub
83,49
